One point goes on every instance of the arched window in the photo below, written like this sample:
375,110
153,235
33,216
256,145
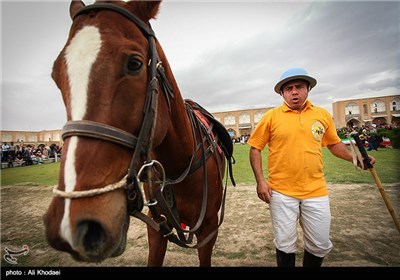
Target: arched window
378,106
395,104
258,116
352,109
229,120
244,118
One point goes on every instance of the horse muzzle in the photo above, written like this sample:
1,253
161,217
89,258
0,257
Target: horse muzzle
92,234
95,244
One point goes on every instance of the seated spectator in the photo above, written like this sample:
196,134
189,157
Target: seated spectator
10,161
38,157
26,156
374,141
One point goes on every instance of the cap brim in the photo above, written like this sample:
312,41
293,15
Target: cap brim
309,79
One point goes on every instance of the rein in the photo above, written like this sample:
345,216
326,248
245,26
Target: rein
142,146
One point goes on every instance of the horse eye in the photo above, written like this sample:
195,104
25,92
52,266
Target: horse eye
134,65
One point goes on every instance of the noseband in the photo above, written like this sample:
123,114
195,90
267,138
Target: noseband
142,144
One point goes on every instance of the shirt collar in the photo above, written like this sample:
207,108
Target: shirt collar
286,108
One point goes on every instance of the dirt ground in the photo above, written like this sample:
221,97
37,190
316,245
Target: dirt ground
362,231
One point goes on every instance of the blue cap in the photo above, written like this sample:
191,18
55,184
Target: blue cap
294,74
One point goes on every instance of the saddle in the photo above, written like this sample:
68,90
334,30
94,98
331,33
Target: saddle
216,130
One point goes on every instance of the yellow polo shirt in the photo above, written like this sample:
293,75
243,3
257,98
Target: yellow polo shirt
294,142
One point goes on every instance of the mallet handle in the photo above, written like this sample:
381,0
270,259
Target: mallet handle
362,150
376,178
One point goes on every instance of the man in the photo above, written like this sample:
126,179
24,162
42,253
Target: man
296,189
4,149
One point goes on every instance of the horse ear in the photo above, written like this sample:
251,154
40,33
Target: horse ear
146,9
154,7
74,7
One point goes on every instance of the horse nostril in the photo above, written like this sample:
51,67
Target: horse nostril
91,235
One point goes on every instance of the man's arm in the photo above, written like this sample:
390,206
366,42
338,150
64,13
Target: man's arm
256,164
341,151
264,192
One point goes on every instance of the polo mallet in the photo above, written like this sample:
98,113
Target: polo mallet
367,162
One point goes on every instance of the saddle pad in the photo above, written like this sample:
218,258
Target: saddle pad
219,129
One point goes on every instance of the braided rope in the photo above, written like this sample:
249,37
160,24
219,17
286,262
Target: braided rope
88,193
357,157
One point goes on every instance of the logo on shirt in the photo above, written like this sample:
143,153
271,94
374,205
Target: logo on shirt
317,130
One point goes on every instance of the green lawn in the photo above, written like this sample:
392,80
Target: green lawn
33,175
336,170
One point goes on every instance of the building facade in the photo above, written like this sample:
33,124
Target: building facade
367,111
46,137
240,122
352,112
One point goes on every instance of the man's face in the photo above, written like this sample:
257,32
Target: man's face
295,93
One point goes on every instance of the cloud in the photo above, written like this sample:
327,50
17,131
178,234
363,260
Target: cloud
224,55
28,104
381,85
341,44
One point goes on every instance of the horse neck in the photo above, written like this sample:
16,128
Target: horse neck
179,135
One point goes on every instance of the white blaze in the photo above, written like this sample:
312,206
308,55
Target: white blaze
80,55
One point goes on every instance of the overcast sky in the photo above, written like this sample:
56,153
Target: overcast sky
225,55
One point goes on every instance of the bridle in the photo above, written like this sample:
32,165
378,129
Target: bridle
141,144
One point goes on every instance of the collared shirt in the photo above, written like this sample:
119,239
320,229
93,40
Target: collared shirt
295,140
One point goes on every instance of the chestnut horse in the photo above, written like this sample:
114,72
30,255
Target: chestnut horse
129,132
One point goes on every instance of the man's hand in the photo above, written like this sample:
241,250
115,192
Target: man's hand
264,191
371,160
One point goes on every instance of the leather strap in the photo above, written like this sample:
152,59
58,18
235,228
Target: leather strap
100,131
146,29
357,158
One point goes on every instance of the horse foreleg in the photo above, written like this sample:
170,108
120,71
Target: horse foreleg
205,252
157,247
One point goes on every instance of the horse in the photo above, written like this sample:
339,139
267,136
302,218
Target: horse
132,141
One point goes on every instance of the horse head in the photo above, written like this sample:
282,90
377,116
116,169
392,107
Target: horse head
106,73
128,124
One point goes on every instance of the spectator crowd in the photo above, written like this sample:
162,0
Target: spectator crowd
23,155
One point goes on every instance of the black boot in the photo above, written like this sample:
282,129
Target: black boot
285,260
309,260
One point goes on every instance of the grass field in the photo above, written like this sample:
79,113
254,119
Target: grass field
336,170
363,232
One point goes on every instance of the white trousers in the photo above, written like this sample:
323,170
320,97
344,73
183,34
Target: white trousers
314,216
